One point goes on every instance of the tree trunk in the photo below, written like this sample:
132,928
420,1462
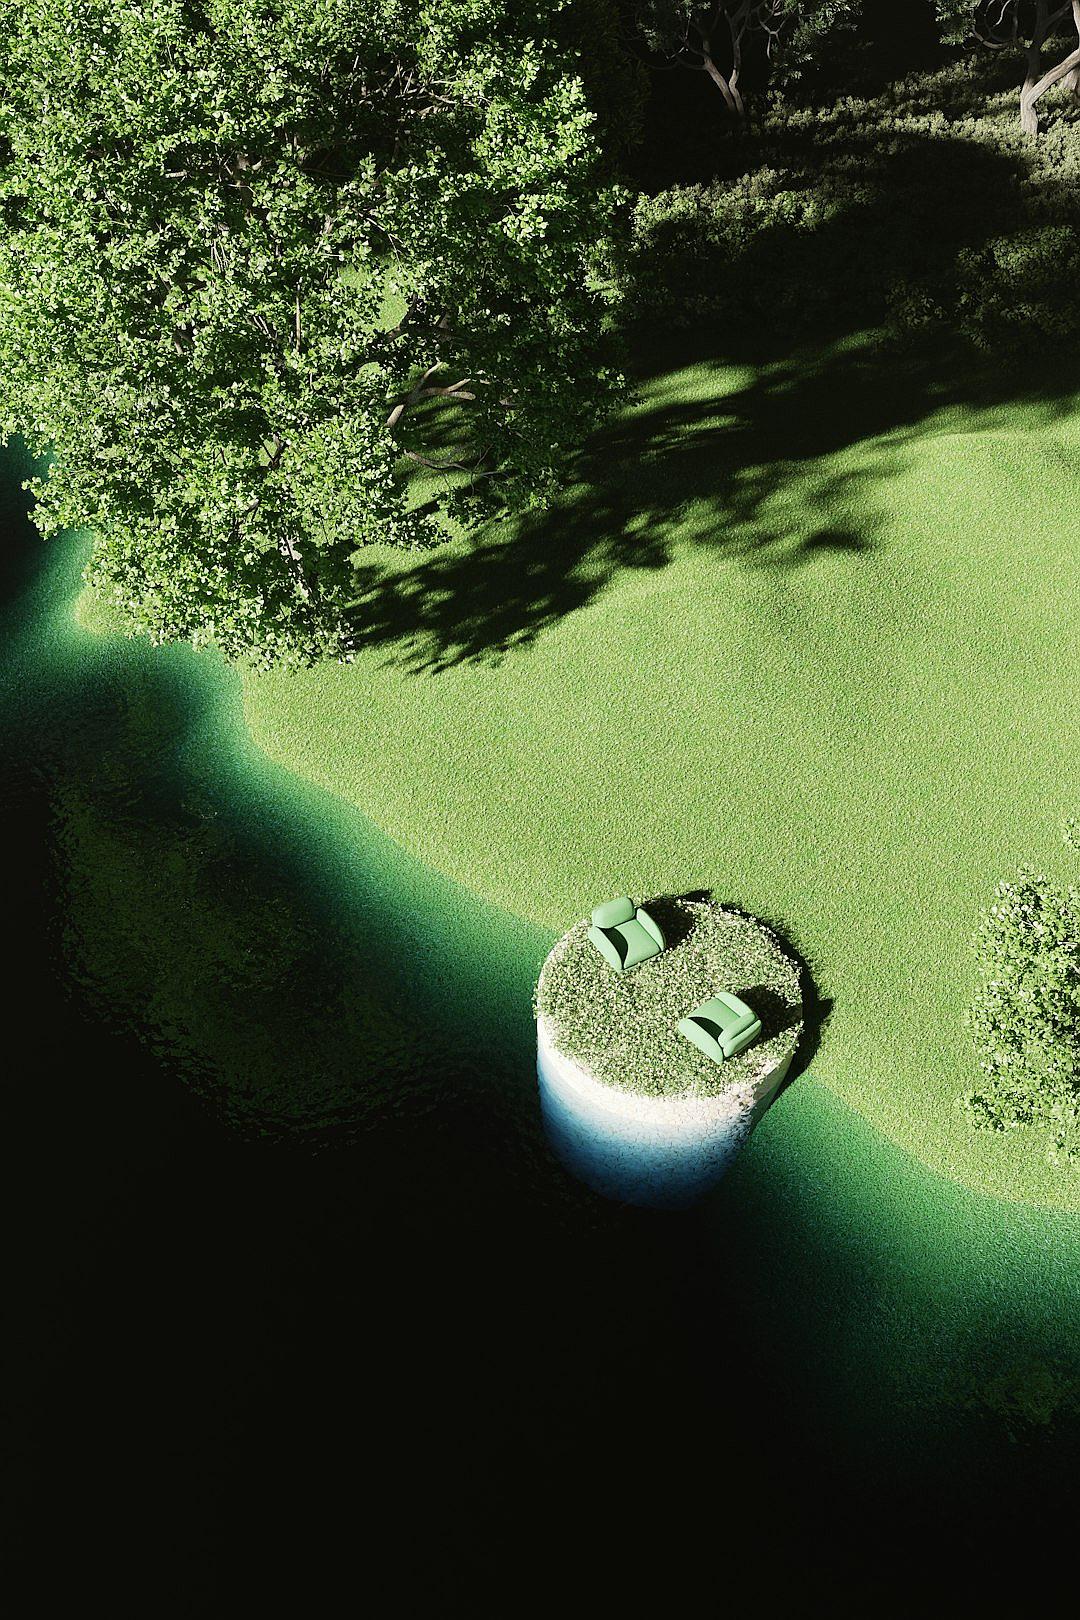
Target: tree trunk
1033,91
735,30
1037,83
733,101
1029,118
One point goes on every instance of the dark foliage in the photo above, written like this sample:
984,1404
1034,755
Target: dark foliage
923,210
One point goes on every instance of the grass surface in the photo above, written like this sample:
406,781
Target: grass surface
911,1323
803,636
622,1026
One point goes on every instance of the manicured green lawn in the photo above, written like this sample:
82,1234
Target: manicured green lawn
804,636
265,939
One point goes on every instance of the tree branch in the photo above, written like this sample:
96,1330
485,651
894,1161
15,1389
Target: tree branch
412,396
451,466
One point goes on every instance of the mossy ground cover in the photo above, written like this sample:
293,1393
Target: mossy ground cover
623,1026
802,635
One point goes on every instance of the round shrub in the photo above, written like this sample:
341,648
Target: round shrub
1025,1015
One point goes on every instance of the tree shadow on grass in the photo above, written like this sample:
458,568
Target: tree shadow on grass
165,881
254,933
704,472
688,465
426,1286
199,926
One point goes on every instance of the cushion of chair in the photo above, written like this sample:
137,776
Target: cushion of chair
650,923
610,946
613,912
701,1036
640,943
718,1012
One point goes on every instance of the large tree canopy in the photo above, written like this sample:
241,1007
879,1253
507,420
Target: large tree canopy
258,253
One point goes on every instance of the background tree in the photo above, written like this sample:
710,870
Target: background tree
256,257
715,37
1046,34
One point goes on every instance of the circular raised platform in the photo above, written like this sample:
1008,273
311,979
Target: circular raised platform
630,1106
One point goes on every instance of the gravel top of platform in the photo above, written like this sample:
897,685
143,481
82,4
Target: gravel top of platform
621,1027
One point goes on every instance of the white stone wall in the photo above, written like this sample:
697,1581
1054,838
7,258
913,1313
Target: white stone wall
659,1151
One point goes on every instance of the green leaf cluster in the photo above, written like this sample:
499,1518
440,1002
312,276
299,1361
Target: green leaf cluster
238,234
1025,1015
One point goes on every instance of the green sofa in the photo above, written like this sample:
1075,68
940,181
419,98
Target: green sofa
722,1027
625,934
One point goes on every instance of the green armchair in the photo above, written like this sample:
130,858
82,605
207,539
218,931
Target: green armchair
722,1027
625,935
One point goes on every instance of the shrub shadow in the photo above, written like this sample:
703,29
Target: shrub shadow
773,1010
674,923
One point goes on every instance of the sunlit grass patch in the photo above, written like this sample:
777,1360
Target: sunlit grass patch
769,643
